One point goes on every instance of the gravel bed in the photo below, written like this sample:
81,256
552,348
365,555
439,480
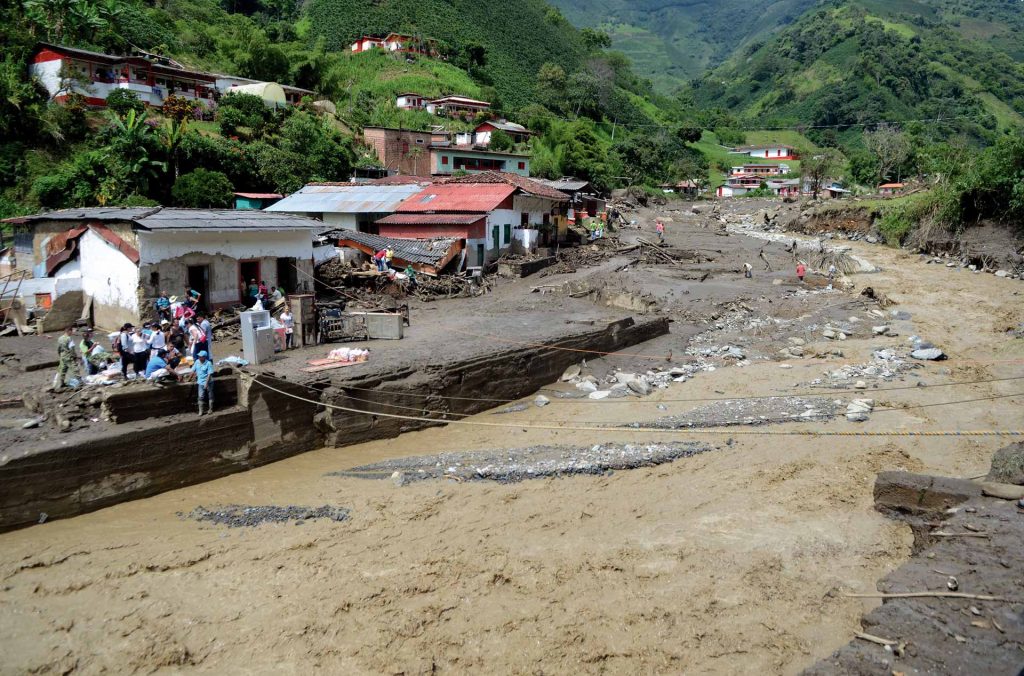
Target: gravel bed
244,516
519,464
760,411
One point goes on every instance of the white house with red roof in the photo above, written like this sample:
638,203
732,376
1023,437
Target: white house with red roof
776,151
63,71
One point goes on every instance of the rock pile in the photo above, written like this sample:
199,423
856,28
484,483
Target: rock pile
244,516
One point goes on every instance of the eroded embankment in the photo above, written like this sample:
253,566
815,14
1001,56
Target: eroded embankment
274,419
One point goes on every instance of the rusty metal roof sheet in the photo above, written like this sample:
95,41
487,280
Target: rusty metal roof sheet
426,251
570,184
527,185
458,198
431,219
259,195
353,198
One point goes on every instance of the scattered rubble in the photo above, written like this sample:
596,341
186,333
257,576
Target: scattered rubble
1008,465
243,516
858,409
519,464
759,411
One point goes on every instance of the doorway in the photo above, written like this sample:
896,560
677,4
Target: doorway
287,275
247,270
199,280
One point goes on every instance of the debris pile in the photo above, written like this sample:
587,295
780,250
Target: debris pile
451,286
757,411
573,258
243,516
519,464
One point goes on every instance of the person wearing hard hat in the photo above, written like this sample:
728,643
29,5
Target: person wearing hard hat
203,368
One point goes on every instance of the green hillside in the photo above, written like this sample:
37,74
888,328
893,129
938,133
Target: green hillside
865,61
517,37
673,41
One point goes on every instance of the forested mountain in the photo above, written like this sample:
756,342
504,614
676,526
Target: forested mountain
672,41
863,61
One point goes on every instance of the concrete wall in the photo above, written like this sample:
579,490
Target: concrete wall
111,280
394,149
169,254
138,459
336,220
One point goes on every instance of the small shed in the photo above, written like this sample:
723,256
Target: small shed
256,200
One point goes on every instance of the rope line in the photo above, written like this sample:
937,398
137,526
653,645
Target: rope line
809,393
634,430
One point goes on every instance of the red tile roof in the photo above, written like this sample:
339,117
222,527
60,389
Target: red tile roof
460,198
527,185
891,185
431,219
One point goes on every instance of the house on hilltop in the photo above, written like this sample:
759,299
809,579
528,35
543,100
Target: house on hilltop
397,43
63,71
776,151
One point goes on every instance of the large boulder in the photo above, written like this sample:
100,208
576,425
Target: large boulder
1008,465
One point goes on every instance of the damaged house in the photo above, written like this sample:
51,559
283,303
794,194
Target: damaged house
109,264
488,212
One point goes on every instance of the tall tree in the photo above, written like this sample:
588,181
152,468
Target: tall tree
819,168
892,148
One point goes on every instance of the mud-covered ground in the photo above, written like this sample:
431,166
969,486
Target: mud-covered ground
728,561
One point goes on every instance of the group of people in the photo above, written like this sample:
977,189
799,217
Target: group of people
154,346
153,351
259,297
382,259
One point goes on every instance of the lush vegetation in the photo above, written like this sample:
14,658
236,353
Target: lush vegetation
594,117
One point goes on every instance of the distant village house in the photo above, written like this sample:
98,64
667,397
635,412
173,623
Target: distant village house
396,43
427,154
768,152
890,189
63,71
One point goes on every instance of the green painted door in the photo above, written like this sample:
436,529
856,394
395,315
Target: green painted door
496,234
508,233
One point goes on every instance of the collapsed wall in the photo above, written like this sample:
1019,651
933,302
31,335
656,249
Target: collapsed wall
158,443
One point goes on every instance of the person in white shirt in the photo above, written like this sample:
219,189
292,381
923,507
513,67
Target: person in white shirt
204,324
158,341
140,350
289,327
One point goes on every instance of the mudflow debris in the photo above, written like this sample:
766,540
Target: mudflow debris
244,516
760,411
519,464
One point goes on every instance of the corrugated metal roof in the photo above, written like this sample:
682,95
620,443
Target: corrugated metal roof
224,219
562,184
458,197
88,213
431,219
165,218
353,198
427,251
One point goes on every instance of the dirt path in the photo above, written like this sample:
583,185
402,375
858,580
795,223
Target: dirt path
720,563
